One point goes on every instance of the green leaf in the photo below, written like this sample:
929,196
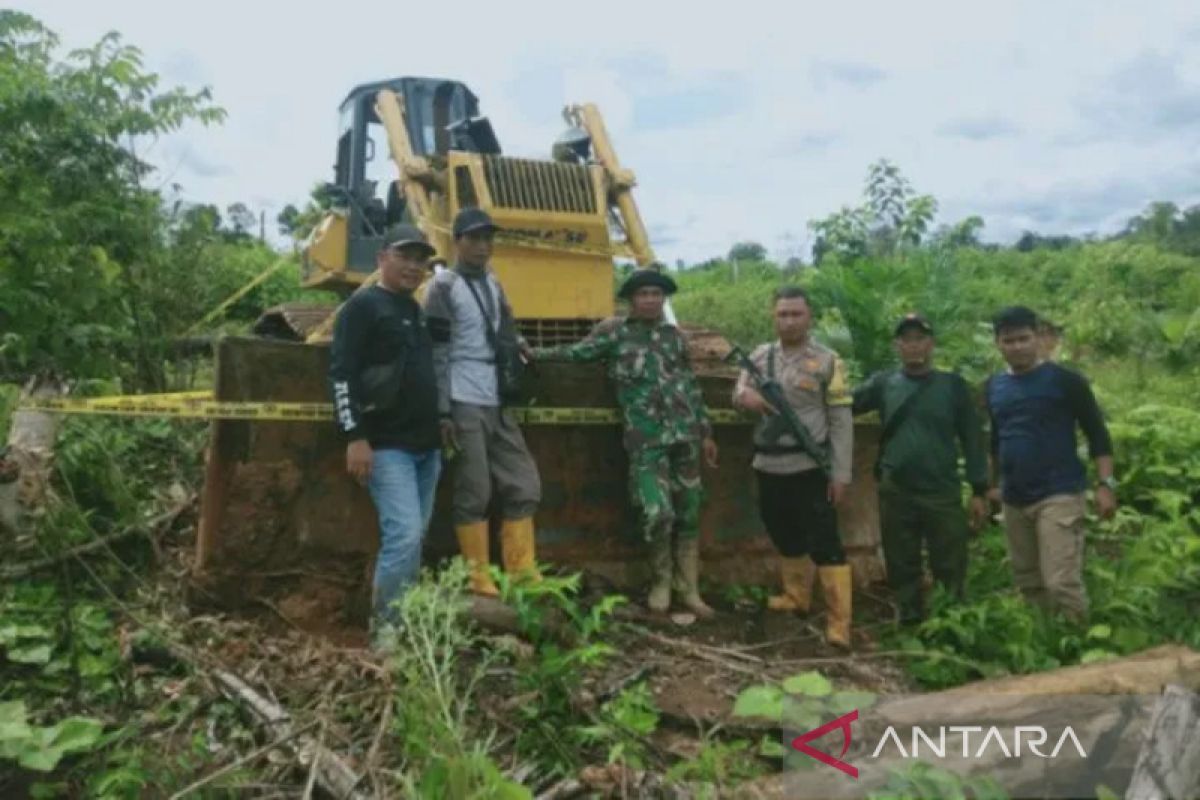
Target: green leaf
813,684
771,748
1099,632
74,734
844,702
36,654
13,722
1096,654
48,791
43,759
760,701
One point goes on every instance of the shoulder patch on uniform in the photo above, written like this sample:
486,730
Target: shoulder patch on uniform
838,392
607,325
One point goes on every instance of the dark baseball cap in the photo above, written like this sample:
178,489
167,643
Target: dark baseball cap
404,235
914,320
472,219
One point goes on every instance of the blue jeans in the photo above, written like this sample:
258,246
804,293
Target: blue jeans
402,485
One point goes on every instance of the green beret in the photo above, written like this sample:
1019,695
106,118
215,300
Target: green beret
646,277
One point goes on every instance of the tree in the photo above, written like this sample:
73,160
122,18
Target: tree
83,286
1165,225
298,223
747,251
1030,241
890,218
964,233
288,219
241,219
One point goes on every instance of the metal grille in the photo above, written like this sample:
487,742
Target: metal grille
551,332
539,185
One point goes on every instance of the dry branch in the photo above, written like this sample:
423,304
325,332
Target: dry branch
332,774
149,527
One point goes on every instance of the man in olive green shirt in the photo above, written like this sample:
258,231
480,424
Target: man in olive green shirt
926,415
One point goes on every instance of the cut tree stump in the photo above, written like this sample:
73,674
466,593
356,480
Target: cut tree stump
30,452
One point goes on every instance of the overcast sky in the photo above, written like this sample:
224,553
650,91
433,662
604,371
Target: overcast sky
742,120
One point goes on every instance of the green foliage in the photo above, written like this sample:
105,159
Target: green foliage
925,781
113,468
435,693
1160,454
803,700
60,648
9,393
891,219
719,765
622,725
54,649
1165,225
40,748
747,251
1143,578
550,727
96,274
471,777
1122,300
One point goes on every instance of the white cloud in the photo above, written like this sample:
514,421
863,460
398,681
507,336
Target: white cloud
742,121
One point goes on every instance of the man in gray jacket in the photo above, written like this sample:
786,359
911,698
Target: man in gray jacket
467,311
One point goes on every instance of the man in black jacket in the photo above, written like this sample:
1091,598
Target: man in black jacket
386,406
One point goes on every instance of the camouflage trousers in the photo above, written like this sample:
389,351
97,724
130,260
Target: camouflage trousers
664,484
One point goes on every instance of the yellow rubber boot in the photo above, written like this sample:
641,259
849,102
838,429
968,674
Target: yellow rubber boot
519,550
839,601
473,544
797,575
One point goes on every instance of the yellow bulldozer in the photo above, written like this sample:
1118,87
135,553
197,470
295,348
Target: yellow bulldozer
417,150
281,522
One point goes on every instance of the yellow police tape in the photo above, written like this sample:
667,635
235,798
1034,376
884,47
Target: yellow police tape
201,405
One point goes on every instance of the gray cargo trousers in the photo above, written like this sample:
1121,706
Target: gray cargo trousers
493,452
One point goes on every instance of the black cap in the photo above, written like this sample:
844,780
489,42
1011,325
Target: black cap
914,320
472,219
647,277
404,235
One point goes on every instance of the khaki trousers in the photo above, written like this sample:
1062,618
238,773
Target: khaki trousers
1045,543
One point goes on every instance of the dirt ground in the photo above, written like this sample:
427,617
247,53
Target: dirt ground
694,669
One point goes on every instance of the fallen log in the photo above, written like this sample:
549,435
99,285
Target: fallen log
495,616
1108,706
1169,764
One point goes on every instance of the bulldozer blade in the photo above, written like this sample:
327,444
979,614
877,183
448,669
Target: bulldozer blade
281,520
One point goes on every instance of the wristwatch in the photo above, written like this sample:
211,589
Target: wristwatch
1110,482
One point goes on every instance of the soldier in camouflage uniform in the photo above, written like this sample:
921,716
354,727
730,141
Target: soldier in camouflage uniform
666,431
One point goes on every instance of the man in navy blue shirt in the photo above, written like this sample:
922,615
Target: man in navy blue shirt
1035,407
